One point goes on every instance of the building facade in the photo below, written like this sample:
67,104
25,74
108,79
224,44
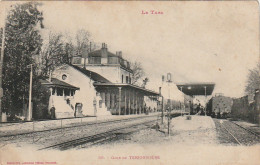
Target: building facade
111,66
104,82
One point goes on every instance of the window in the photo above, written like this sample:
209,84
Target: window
59,91
129,80
76,60
126,79
113,60
100,103
64,77
122,78
67,92
72,92
53,91
94,60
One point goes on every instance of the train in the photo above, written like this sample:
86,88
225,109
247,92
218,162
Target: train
219,106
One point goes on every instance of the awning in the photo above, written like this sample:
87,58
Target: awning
194,89
146,92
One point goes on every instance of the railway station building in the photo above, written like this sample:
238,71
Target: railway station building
104,85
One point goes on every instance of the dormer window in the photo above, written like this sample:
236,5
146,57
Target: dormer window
94,60
76,60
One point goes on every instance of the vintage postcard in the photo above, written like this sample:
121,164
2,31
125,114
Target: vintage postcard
129,82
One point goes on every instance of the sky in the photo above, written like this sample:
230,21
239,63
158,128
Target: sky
203,41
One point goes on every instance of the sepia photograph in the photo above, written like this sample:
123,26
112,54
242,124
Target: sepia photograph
129,82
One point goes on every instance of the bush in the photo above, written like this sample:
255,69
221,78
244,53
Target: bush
41,97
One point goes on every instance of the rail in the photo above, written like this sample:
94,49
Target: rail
62,125
240,138
94,139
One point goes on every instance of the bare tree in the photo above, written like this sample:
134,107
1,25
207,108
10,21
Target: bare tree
53,53
253,80
138,72
82,42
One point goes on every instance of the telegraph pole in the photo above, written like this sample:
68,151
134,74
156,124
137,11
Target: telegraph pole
1,68
30,97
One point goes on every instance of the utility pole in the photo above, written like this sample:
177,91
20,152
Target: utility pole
1,67
30,96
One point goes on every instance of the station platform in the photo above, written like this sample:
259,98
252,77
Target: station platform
198,130
8,129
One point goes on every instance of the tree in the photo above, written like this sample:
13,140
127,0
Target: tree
138,72
82,42
59,49
41,101
253,80
22,42
53,54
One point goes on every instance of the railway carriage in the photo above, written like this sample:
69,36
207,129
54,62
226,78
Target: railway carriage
220,106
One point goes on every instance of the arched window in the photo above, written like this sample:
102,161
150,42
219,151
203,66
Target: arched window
126,79
64,77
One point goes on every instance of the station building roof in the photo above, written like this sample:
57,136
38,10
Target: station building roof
195,89
146,92
92,75
101,82
57,83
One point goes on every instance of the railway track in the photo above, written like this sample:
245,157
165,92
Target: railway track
79,125
100,137
256,134
233,133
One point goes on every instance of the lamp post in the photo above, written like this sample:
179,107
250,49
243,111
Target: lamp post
1,66
161,97
169,80
183,100
205,99
189,88
29,116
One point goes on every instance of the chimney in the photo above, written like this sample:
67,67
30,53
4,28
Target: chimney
104,54
120,54
104,45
